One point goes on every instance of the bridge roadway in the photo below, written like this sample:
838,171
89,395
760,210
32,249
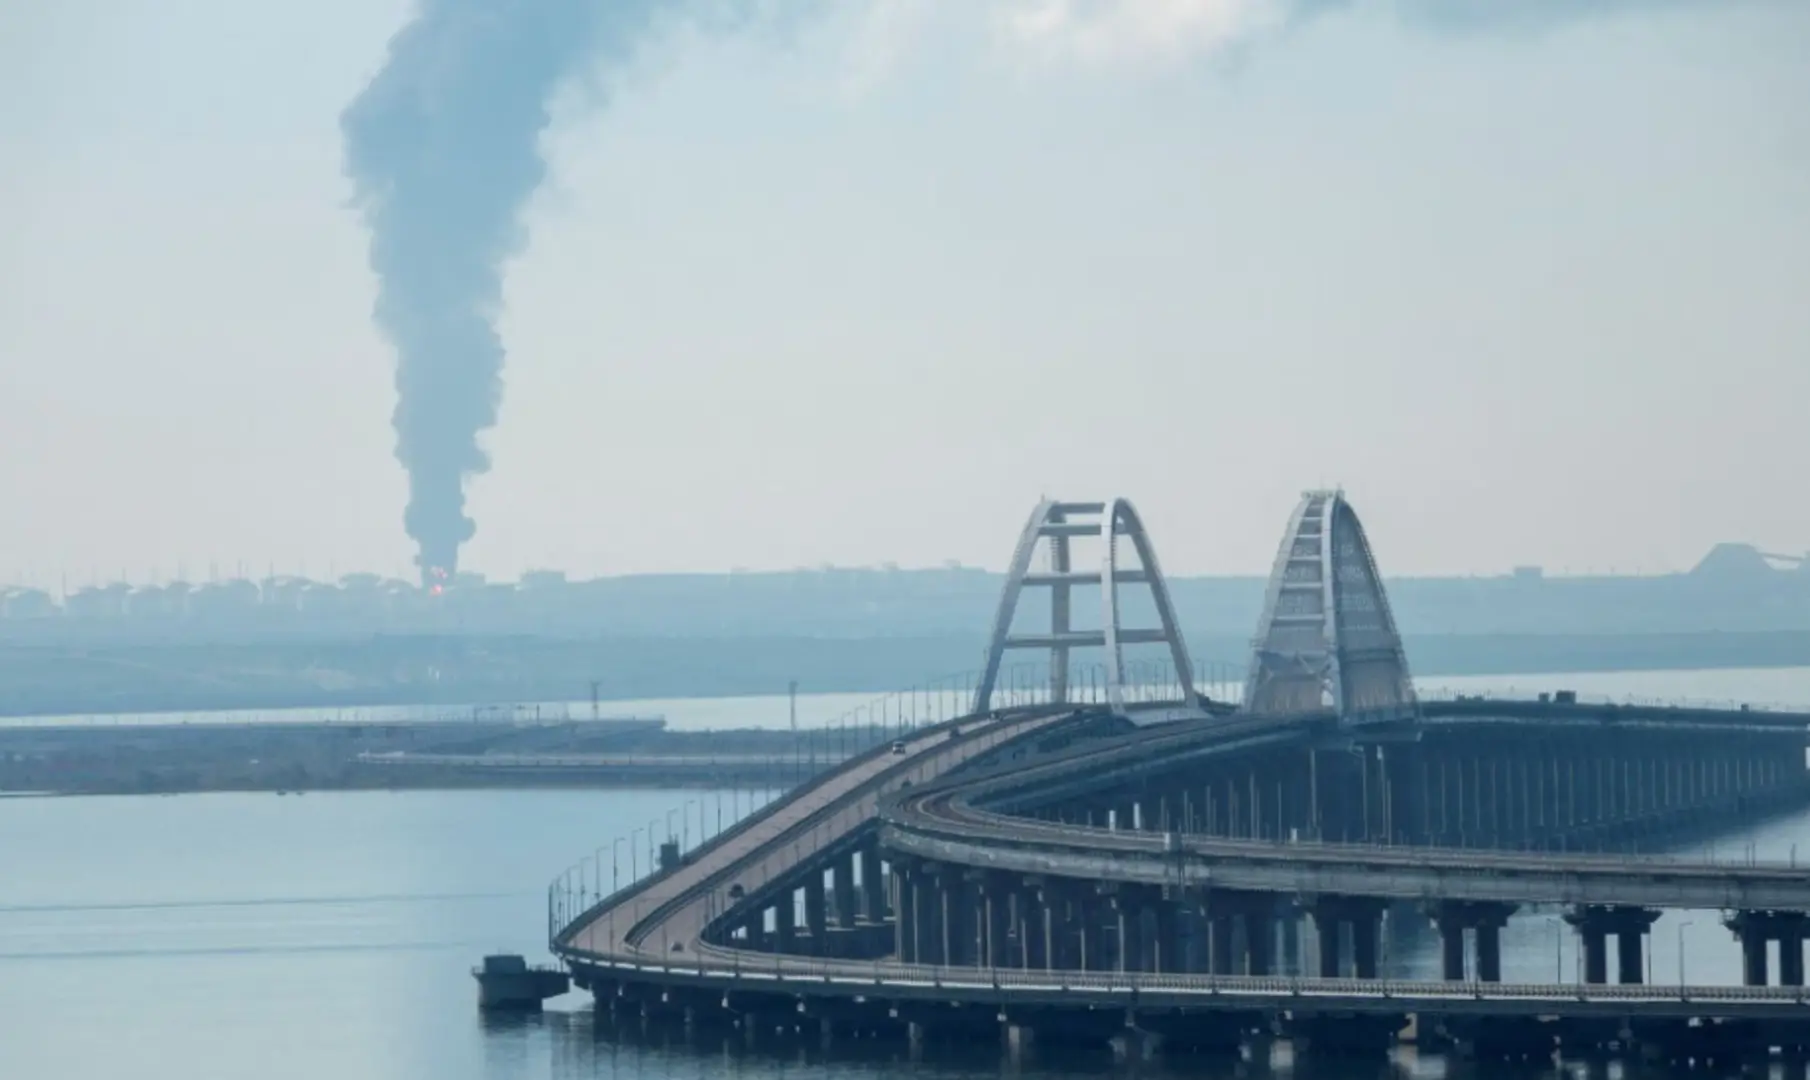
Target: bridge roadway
950,823
666,914
652,934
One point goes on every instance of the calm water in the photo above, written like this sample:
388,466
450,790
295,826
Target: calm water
1757,686
329,936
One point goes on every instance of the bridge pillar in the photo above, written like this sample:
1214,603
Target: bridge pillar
1629,925
816,911
842,888
875,889
1360,918
785,921
1168,955
958,917
1596,953
1260,940
917,906
1220,956
1755,929
904,922
996,900
1086,908
1485,921
1256,912
1131,933
1034,930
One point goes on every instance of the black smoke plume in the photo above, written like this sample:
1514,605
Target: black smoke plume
443,148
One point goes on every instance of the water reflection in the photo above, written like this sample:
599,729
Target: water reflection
582,1044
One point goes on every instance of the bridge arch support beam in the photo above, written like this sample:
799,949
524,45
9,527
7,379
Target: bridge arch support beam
1054,526
1327,636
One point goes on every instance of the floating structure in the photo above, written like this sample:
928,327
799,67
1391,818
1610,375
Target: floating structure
507,984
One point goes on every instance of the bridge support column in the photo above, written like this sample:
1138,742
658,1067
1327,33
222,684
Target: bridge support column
911,903
816,911
1088,918
1219,949
1034,915
785,922
1260,937
1755,929
960,919
1485,921
876,888
1257,914
1131,937
1629,925
1361,919
1167,956
842,889
929,898
996,900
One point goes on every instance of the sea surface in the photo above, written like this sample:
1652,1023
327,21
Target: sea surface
330,936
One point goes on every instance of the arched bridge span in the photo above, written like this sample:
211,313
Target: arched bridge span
1327,637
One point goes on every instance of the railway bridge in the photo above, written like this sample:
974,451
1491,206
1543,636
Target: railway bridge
1095,854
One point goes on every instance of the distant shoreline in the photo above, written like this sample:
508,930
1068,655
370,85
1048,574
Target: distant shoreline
458,671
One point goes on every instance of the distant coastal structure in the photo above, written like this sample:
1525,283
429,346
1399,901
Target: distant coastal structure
1736,587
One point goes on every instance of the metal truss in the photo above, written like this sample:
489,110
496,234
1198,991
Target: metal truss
1055,526
1327,636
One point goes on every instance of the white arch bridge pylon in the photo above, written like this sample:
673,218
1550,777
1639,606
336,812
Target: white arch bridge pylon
1055,527
1326,638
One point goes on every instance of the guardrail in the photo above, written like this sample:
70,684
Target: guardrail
714,963
951,803
1005,725
1547,695
571,904
576,896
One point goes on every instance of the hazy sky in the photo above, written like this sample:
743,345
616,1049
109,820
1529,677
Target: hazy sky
859,288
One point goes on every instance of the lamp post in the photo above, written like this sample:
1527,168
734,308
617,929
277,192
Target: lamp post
615,863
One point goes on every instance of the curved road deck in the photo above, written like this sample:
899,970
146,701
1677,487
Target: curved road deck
944,823
649,918
631,935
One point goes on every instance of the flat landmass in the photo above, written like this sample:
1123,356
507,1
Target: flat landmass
363,643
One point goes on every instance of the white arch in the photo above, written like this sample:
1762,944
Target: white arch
1059,523
1327,636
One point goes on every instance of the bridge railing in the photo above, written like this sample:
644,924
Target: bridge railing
1731,857
580,889
1545,693
749,966
818,750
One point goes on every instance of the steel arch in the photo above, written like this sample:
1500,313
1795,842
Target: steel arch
1058,523
1327,635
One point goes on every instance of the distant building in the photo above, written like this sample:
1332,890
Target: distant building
21,604
1734,562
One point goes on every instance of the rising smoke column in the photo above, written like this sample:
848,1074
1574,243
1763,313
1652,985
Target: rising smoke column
443,151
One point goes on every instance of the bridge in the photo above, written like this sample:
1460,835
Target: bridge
1113,853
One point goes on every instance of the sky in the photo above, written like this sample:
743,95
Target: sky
860,286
